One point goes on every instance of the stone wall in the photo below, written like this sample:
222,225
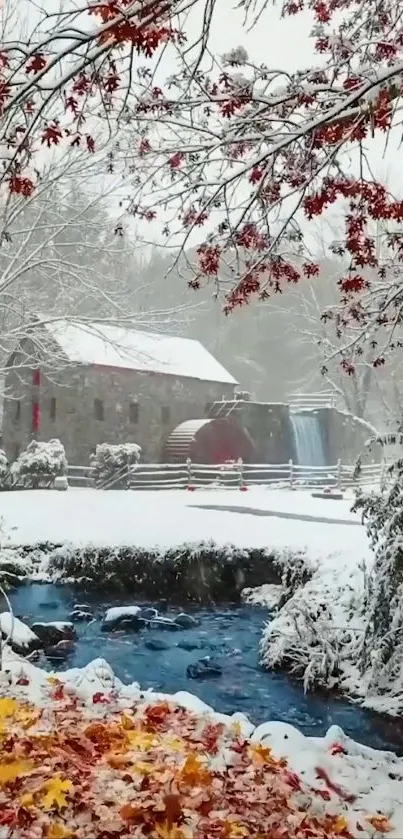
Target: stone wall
86,406
345,437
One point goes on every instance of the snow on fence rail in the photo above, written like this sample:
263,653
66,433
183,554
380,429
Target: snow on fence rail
311,401
160,476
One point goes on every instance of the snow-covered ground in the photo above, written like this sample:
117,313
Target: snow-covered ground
333,775
165,519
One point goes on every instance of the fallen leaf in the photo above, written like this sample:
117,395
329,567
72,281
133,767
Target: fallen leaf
27,800
380,823
166,831
141,740
176,744
194,773
8,707
173,809
339,825
337,749
118,761
156,714
58,831
144,768
262,753
11,771
55,795
234,830
129,812
128,723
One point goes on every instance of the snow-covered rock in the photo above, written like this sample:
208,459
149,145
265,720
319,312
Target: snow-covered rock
117,615
20,637
54,631
186,621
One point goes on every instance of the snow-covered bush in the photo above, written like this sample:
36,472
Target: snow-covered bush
40,464
4,469
111,465
382,648
317,633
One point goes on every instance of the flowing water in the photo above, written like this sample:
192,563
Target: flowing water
308,441
230,635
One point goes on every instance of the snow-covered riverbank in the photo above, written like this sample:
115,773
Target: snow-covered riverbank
316,633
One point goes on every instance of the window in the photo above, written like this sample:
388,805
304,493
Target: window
52,408
98,409
17,410
165,415
134,412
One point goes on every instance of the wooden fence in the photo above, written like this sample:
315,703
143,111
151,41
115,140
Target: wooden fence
167,476
311,401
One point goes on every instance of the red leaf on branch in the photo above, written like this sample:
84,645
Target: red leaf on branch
21,186
52,134
36,63
90,143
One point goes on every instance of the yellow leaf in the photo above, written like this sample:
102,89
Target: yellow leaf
144,768
141,740
27,800
339,825
8,707
235,831
176,744
10,771
52,680
127,722
55,796
262,754
237,728
11,709
58,831
166,831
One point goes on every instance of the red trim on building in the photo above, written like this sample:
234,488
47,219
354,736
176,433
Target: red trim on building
36,417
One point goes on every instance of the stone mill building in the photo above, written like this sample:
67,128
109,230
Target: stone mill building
89,384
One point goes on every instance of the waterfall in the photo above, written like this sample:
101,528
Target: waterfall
308,443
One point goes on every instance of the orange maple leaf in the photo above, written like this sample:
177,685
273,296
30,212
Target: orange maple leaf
194,773
262,754
380,823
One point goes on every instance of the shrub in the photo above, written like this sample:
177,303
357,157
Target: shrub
4,469
111,465
382,648
40,464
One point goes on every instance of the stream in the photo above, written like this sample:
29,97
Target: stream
228,634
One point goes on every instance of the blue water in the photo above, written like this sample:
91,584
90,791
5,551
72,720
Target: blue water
231,636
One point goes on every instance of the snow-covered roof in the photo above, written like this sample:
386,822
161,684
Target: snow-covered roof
111,346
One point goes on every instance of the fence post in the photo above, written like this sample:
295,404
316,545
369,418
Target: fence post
291,473
240,471
338,474
382,480
189,470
